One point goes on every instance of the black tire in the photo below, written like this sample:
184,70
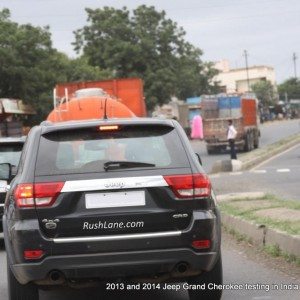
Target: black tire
251,141
17,291
256,141
247,142
210,150
215,276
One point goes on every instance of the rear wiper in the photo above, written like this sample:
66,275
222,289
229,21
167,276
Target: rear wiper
120,164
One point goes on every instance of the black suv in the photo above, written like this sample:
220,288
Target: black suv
10,152
101,201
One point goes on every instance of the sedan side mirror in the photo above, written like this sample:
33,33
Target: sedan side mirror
199,158
5,171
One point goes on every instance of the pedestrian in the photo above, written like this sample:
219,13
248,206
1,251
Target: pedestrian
197,128
231,135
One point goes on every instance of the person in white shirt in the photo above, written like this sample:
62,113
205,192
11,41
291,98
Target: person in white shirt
231,135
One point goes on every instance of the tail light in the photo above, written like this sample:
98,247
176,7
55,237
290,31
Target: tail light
33,254
201,244
37,194
189,186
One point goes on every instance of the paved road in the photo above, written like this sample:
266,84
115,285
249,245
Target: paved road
241,266
279,176
270,133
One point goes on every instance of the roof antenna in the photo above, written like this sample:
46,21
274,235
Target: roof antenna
105,114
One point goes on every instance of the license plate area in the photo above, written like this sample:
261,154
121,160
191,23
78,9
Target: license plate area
115,199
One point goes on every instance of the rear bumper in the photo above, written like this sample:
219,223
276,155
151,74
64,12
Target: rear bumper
143,257
224,143
134,264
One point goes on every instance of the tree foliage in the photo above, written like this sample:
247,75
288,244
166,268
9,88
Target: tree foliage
146,44
291,88
30,67
265,93
116,43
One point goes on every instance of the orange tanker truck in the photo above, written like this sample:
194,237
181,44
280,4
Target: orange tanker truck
121,98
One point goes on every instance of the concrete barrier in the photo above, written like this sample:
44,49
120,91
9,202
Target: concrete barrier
241,196
228,165
287,243
249,229
262,235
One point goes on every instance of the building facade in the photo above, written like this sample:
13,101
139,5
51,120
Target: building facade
236,80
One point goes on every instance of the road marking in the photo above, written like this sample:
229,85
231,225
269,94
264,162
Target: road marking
236,173
214,176
262,297
273,157
258,171
283,170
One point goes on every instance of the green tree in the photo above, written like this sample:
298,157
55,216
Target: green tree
291,88
30,67
25,55
265,93
80,70
145,44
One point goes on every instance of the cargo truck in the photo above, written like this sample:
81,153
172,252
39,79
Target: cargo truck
218,110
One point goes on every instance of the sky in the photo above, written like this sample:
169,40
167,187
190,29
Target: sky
268,29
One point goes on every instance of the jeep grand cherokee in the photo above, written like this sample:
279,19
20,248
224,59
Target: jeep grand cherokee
119,199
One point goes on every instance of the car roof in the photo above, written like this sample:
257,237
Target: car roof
50,127
7,140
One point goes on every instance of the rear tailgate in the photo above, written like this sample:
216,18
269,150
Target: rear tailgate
94,202
215,130
93,207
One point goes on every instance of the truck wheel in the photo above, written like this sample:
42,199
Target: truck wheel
247,142
210,150
256,141
251,141
211,278
17,291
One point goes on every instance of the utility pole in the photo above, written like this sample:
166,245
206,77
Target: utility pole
247,69
295,66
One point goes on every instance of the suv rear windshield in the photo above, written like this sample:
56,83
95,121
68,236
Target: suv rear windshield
88,150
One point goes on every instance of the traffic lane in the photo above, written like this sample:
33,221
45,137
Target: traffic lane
282,184
289,159
279,176
272,132
239,268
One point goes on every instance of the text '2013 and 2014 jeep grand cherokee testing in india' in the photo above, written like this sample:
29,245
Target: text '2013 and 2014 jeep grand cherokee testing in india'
99,201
